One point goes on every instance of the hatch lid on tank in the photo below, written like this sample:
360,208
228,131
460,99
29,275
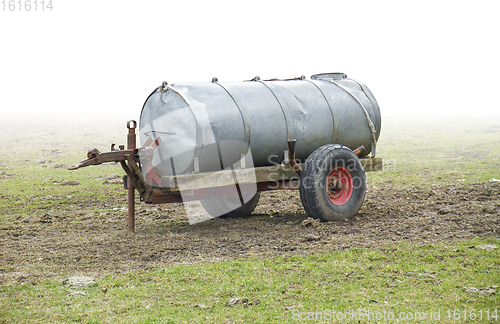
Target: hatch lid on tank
328,76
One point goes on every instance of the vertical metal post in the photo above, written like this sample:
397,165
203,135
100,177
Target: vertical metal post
131,145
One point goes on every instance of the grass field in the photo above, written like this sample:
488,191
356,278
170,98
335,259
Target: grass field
439,151
401,279
457,280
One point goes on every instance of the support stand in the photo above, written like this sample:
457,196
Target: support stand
131,145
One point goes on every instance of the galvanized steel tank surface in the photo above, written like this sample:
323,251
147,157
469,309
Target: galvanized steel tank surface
210,126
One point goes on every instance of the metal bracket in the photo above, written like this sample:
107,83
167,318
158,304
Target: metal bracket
94,157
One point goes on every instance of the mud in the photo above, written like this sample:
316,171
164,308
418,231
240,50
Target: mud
90,238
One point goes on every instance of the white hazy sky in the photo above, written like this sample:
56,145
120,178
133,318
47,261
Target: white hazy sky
421,57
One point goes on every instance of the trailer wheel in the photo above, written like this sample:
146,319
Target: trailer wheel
217,207
332,183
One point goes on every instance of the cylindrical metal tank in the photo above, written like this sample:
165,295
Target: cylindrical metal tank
211,126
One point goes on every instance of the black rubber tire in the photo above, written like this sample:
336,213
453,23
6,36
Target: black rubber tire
214,206
315,177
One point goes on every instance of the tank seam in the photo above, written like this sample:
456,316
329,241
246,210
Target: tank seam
199,135
246,124
370,123
286,111
334,117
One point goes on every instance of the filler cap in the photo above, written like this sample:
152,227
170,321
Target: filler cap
327,76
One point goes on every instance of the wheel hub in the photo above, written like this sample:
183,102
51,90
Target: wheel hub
339,186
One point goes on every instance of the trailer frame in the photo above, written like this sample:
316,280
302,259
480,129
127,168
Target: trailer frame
196,186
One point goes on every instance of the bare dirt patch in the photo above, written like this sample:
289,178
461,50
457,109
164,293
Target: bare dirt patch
91,238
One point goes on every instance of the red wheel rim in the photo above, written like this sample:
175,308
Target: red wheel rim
339,185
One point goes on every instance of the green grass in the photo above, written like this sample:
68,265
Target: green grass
401,278
438,150
37,189
28,186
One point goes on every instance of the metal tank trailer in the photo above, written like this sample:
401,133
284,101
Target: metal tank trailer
222,143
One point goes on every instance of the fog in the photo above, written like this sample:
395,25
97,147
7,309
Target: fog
86,59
